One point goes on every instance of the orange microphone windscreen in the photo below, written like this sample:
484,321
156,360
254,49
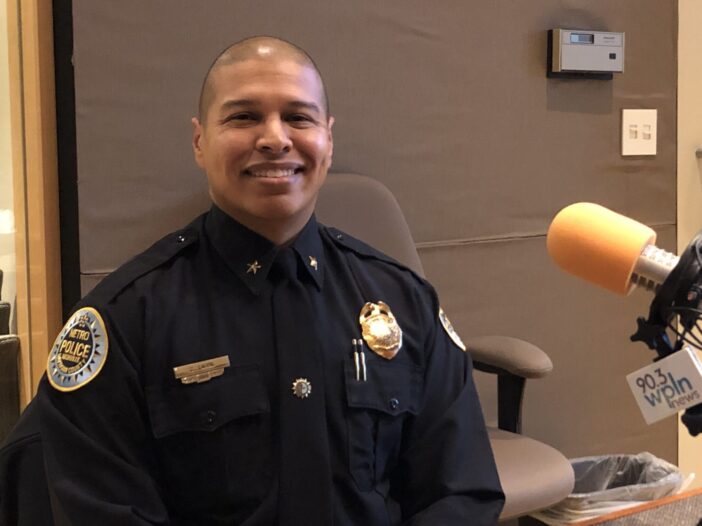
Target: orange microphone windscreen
598,245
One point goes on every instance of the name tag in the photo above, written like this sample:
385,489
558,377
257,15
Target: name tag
203,371
668,385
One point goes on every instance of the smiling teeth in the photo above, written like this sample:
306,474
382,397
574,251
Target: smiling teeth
273,174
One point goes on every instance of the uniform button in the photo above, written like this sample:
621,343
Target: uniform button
340,236
394,403
209,417
302,388
181,239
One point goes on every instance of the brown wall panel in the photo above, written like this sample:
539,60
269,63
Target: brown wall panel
448,104
584,406
449,107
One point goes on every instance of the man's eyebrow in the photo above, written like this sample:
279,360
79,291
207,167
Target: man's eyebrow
247,103
306,105
236,103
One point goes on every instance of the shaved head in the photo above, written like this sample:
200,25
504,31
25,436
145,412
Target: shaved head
255,48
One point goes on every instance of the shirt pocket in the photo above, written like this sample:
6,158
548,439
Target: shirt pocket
213,440
377,410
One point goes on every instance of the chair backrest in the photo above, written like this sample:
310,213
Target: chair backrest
9,383
4,312
4,318
371,213
534,475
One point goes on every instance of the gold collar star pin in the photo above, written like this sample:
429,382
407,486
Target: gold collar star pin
313,262
254,267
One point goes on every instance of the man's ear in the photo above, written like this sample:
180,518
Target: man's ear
197,147
330,138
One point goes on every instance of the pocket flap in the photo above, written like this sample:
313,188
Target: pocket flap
392,388
239,392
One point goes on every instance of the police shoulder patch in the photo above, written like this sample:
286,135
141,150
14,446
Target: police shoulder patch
450,330
79,351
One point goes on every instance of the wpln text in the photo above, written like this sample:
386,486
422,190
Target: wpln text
677,393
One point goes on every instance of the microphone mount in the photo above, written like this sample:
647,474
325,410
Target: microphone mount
675,307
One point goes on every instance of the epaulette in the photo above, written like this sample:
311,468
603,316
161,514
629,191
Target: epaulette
160,253
361,249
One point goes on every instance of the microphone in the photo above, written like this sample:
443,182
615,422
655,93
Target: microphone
619,254
608,249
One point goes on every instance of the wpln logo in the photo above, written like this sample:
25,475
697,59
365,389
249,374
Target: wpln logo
676,392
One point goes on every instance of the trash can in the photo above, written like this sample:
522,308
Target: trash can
609,483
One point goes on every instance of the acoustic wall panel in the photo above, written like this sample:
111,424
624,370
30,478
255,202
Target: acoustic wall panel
584,407
448,104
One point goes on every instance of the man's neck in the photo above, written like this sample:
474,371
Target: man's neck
280,233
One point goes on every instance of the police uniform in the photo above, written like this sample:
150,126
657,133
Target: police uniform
213,395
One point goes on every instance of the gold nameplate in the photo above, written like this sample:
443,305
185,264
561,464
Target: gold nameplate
380,329
199,372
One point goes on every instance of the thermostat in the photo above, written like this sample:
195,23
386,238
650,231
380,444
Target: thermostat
576,53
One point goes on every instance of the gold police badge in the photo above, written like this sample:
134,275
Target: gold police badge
450,330
79,351
380,329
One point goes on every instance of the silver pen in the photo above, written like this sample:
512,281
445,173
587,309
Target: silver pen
355,359
363,361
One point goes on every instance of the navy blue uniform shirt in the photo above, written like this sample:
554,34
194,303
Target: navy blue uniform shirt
135,445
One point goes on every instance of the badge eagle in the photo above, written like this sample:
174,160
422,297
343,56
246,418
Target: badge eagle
79,351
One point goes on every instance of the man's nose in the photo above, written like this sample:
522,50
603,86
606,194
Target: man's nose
274,137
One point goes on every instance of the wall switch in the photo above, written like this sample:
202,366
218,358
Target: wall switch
639,132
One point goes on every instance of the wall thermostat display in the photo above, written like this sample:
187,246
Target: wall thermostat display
575,53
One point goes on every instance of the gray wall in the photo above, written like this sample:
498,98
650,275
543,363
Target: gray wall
448,104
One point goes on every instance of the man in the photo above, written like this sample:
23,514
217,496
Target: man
256,367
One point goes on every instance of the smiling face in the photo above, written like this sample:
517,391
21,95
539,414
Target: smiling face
265,144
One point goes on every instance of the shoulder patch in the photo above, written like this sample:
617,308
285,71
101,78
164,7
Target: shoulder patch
446,324
79,352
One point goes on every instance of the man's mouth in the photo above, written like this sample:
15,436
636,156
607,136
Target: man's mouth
273,173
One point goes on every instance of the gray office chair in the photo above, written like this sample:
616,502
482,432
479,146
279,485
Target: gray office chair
9,383
4,312
9,371
534,476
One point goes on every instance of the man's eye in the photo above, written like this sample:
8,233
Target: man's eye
243,117
300,117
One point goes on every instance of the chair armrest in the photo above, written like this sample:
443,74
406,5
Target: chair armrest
503,354
513,361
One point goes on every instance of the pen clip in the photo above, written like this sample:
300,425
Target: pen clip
363,374
356,359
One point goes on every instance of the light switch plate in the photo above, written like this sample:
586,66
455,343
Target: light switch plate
639,132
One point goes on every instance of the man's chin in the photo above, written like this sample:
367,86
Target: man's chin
274,214
283,217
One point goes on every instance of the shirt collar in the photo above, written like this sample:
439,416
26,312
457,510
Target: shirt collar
250,255
308,246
